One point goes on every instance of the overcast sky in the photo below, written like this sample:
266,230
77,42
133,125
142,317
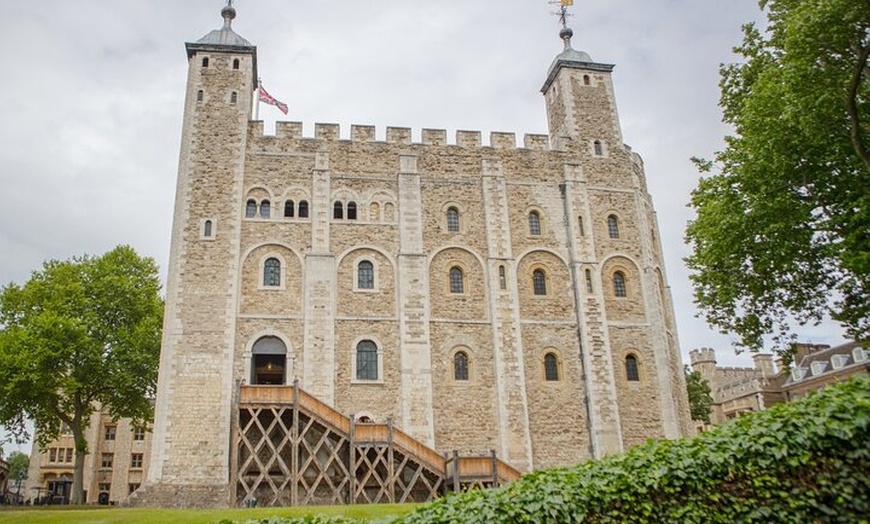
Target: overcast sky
92,98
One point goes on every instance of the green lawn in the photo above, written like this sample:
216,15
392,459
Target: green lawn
60,515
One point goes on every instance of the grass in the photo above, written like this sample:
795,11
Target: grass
90,515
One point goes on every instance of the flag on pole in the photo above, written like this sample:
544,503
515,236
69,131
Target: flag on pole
266,98
567,2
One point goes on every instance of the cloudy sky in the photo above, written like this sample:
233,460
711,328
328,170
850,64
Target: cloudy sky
92,97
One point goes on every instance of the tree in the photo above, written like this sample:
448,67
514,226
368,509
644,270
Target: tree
700,399
81,334
782,233
18,464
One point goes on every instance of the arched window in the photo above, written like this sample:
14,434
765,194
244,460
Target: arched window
289,209
206,229
236,63
303,209
539,282
631,371
205,61
453,220
251,208
457,284
613,226
272,272
534,223
460,366
351,210
338,210
234,97
551,367
619,285
599,149
586,80
502,279
366,360
200,95
365,272
268,360
265,209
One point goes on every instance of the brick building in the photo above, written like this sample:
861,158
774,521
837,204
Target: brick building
343,314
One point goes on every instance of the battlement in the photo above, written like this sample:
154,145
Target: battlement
702,355
403,136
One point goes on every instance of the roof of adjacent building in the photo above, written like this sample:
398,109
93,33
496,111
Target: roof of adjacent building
828,361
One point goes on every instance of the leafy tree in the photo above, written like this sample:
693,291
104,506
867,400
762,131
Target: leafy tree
80,335
782,232
18,464
700,399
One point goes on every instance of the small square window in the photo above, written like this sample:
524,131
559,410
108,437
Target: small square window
107,460
139,434
110,432
136,461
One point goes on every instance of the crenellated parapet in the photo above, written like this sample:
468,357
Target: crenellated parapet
403,136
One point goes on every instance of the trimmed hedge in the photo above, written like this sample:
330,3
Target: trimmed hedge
802,462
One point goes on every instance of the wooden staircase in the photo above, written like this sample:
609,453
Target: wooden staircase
291,449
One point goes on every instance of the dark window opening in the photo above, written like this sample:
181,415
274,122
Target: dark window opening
268,361
366,360
338,211
288,209
613,226
234,97
457,285
599,149
265,209
236,63
366,275
460,366
206,230
272,272
502,279
631,371
200,95
619,289
205,61
303,209
551,367
539,282
534,223
351,210
251,209
453,220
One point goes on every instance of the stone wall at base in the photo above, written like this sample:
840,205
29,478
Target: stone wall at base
179,496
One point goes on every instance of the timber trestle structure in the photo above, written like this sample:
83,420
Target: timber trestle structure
291,449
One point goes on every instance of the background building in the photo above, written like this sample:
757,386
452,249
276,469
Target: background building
114,467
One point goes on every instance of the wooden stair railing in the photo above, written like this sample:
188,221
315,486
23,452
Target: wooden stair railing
291,449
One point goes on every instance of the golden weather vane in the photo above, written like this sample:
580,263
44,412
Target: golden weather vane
562,13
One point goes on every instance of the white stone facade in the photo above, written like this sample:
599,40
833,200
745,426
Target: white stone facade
555,244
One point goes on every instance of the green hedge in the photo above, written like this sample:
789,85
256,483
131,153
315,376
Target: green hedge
803,462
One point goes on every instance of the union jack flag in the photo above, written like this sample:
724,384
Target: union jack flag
266,98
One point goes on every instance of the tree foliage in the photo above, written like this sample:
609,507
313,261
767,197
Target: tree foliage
18,464
80,334
806,461
783,226
700,400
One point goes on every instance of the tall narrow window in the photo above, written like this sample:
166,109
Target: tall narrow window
236,63
234,97
206,229
460,366
539,282
588,281
502,279
265,209
351,210
619,285
453,220
586,80
599,149
272,272
551,367
365,275
534,223
580,226
289,209
338,211
303,209
613,226
366,360
457,285
631,371
205,61
200,95
251,209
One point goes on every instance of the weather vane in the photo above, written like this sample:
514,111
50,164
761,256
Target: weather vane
562,13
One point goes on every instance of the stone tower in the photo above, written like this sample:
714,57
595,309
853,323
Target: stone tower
484,299
192,413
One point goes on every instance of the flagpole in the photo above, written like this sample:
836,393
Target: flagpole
257,102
